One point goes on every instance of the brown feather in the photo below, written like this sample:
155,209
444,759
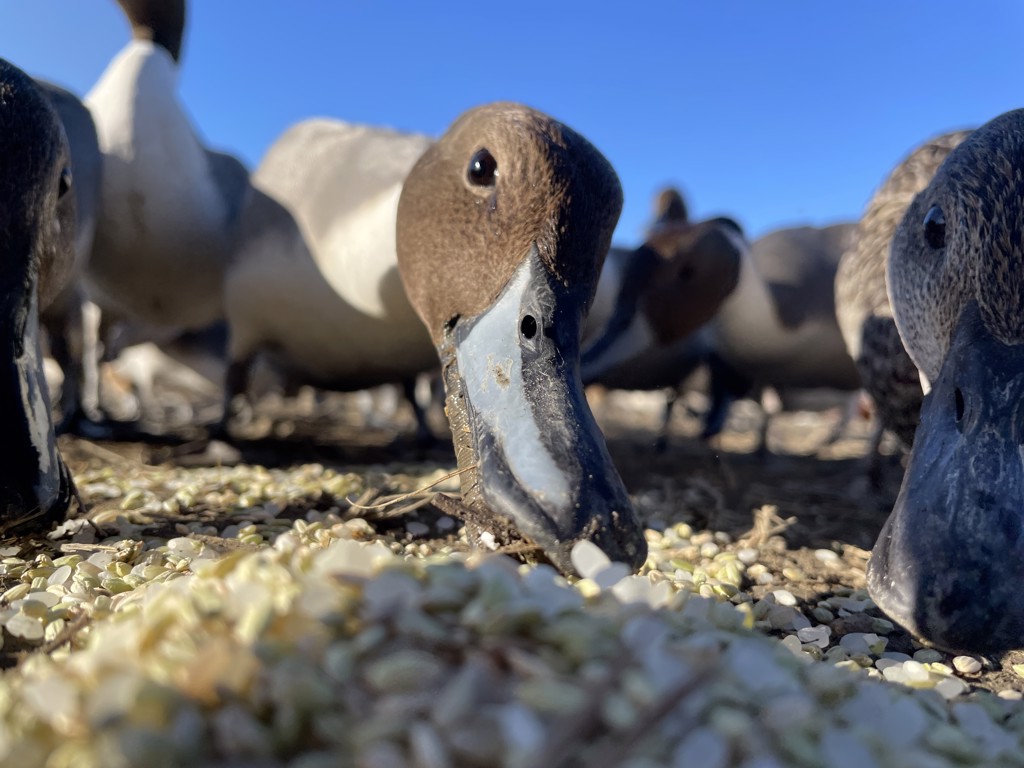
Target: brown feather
458,244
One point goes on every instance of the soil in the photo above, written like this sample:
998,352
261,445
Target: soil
812,496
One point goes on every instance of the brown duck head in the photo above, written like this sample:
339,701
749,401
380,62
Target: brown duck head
671,285
503,226
162,21
669,208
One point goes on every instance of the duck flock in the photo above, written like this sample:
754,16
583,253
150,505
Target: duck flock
356,256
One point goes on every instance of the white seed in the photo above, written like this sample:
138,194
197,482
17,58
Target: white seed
25,626
827,556
818,636
966,665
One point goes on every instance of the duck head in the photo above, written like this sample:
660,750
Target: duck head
673,284
949,563
502,229
669,208
162,21
37,239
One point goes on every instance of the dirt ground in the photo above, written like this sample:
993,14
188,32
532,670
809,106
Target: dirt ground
821,494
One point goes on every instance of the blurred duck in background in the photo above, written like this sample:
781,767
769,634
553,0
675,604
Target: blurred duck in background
169,206
314,287
772,305
620,362
862,300
70,327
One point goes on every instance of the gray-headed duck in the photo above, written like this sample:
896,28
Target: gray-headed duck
949,562
37,217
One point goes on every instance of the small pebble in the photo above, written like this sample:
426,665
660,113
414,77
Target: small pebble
416,528
818,635
784,597
823,615
966,665
951,687
828,557
748,555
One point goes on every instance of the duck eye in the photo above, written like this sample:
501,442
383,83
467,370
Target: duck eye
483,169
65,182
935,227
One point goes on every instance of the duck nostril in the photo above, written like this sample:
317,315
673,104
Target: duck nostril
528,326
958,402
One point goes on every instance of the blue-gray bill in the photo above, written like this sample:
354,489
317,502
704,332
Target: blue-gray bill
36,488
949,563
521,421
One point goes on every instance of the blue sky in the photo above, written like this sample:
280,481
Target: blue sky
773,112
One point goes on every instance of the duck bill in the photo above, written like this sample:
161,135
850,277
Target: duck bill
949,562
35,486
532,455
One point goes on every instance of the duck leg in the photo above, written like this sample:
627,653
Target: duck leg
236,400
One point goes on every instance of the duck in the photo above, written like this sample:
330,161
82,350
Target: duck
779,328
37,219
169,205
676,368
798,264
502,227
770,307
668,207
68,321
949,561
313,288
654,305
862,303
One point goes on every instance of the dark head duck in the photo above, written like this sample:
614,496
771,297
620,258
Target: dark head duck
949,563
502,228
37,237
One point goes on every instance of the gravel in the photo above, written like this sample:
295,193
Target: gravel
232,616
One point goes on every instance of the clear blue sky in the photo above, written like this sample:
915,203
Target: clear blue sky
774,112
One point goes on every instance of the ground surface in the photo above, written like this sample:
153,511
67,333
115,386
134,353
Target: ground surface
217,604
796,502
